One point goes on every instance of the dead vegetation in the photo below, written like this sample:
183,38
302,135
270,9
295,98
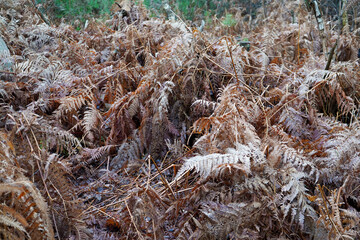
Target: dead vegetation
143,128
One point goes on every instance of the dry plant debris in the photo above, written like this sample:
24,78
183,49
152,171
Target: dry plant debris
141,128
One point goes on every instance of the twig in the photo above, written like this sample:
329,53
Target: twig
332,51
55,225
232,59
7,72
163,179
133,222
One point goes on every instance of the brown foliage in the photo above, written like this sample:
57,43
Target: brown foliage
141,128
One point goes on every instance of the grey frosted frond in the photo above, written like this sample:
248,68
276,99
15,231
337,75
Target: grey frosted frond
207,164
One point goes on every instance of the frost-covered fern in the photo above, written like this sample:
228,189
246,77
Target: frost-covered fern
208,164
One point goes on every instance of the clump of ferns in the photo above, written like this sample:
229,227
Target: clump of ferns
49,173
24,212
240,170
39,133
340,223
81,115
341,149
54,79
31,68
347,78
326,93
143,214
294,190
230,116
52,173
120,117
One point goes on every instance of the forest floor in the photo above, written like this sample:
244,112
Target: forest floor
144,128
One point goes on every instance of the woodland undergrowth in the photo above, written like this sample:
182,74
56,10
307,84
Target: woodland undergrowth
139,128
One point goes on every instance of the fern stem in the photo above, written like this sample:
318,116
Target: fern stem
232,59
133,222
331,56
162,178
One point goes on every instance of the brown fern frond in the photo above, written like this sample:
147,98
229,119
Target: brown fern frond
330,215
92,122
64,202
23,208
129,153
31,123
95,154
223,219
69,106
